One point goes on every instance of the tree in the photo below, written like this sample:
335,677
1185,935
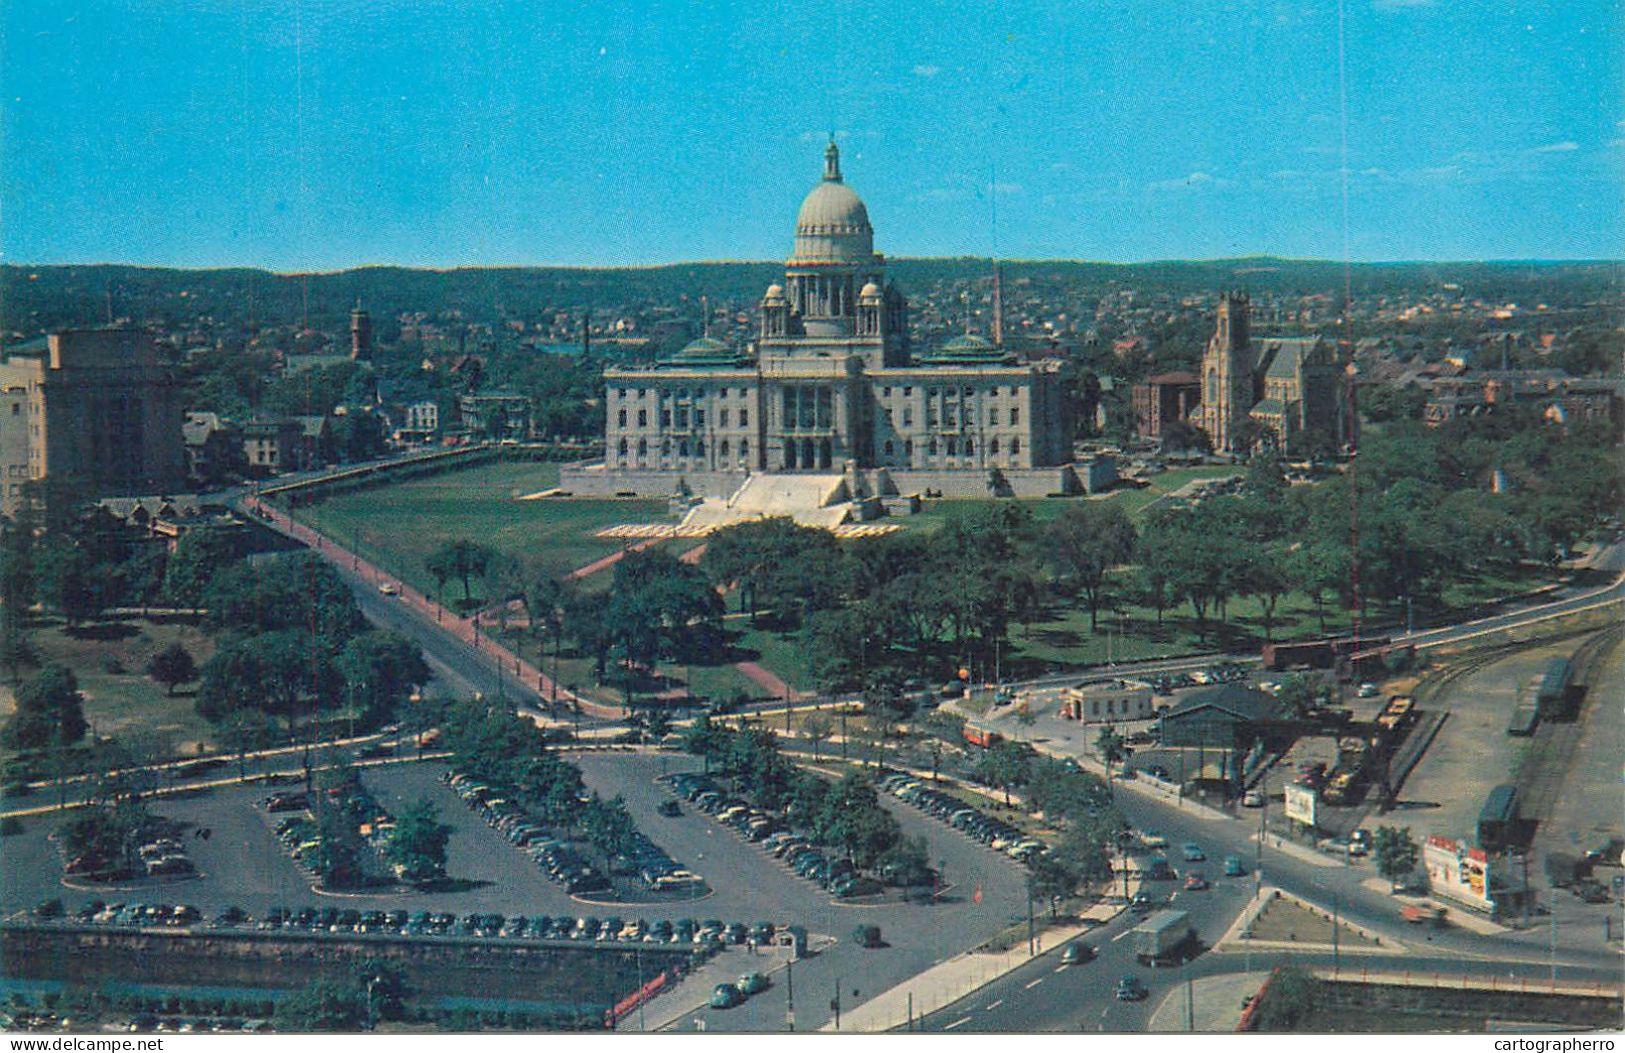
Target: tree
817,729
1083,544
16,646
417,845
706,739
338,849
777,564
609,826
298,591
69,581
1298,694
373,991
1109,744
1266,477
1182,435
1265,576
1050,879
106,838
1004,765
50,711
1396,853
172,667
283,673
380,671
461,559
198,557
547,602
1316,568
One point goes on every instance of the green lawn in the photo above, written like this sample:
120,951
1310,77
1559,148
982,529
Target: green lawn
935,512
399,525
108,659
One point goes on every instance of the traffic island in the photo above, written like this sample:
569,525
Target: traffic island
1315,1001
1279,921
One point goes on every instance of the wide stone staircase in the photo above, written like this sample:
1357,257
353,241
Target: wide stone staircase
810,500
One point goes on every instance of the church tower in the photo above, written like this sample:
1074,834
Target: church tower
360,335
1229,386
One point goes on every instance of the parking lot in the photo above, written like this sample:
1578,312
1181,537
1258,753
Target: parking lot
243,865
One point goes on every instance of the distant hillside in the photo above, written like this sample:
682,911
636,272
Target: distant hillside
36,299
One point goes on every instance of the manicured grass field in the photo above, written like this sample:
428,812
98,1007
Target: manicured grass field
120,701
1134,501
399,525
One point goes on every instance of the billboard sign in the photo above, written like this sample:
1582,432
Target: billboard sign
1458,872
1300,804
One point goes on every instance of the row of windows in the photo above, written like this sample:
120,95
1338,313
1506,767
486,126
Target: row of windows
682,418
950,416
953,447
931,393
679,393
885,392
683,448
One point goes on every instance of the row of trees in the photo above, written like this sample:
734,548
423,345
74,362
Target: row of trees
844,816
291,644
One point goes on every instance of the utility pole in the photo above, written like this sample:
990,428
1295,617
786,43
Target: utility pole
1337,963
1263,829
1030,933
1551,907
790,990
641,998
835,1003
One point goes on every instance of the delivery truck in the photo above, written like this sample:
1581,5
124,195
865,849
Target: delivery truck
1165,937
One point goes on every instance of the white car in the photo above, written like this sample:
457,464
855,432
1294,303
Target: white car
1252,799
1367,690
389,588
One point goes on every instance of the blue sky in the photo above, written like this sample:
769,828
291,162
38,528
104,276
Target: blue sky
321,135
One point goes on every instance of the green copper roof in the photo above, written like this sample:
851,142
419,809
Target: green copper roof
706,351
969,349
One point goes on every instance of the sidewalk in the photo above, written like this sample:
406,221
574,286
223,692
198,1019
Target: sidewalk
949,981
464,629
1209,1005
1299,852
692,994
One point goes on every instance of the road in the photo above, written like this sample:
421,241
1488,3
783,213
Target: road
1041,996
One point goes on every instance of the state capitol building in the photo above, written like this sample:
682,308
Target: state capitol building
832,386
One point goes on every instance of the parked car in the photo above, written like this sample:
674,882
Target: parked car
726,996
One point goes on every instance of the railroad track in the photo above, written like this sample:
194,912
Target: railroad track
1546,765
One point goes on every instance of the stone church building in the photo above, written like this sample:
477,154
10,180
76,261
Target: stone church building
1284,387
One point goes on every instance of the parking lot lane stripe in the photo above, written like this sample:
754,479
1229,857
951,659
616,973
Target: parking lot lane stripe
995,1004
1034,983
956,1023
